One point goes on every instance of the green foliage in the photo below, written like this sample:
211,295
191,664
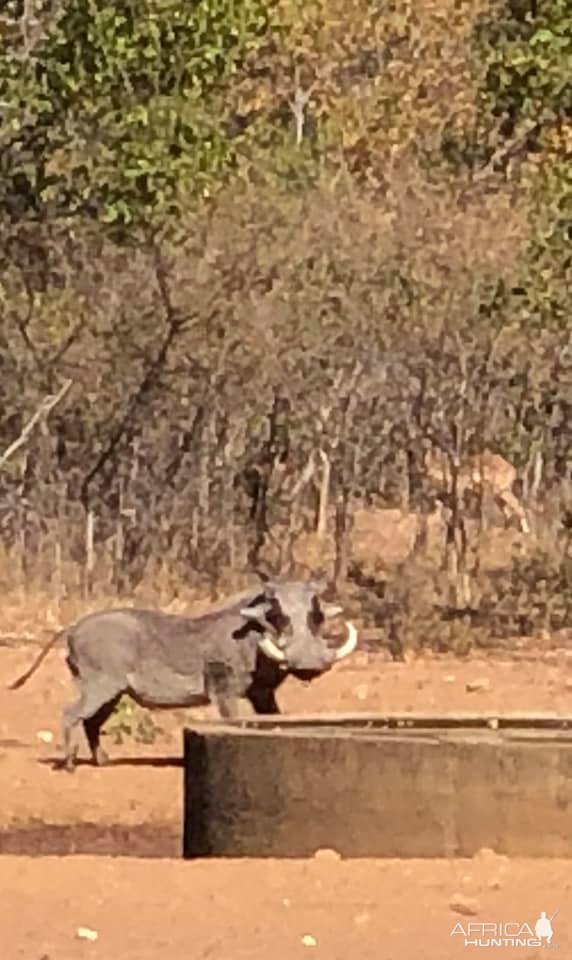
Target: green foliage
131,722
526,100
386,243
120,106
536,594
529,61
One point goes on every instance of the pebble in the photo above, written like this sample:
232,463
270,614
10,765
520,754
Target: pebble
486,854
326,853
475,686
86,933
466,906
309,941
46,736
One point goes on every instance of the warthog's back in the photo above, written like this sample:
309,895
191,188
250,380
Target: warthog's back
124,639
109,640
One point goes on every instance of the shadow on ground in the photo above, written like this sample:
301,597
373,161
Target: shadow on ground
157,762
40,840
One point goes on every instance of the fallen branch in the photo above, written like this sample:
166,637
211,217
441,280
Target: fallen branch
21,639
45,408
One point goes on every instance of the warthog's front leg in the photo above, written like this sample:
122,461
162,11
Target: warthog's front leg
222,687
263,700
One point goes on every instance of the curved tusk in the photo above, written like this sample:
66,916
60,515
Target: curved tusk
349,645
271,650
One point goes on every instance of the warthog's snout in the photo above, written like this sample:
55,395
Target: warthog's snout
310,655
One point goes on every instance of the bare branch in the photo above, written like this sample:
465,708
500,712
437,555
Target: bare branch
45,408
298,107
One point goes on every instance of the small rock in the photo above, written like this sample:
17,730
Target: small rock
309,941
286,902
495,884
476,686
325,853
568,684
449,678
85,933
361,919
466,906
493,723
46,736
484,854
361,692
466,880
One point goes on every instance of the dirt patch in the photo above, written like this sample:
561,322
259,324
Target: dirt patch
249,910
144,783
127,817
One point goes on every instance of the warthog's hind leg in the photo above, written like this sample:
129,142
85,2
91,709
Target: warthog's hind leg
97,694
92,726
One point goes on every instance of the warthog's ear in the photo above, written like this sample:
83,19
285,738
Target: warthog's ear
331,609
257,612
269,586
318,586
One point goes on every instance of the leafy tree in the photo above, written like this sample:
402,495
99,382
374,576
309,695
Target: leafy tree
115,109
526,103
528,51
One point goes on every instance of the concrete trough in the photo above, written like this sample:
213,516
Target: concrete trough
379,786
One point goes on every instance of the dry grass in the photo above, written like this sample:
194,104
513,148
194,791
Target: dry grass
34,608
398,574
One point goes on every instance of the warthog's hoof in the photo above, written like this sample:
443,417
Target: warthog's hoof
101,758
67,764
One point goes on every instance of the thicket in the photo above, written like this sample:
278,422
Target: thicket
281,251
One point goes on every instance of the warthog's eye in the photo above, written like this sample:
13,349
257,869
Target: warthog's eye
315,615
277,619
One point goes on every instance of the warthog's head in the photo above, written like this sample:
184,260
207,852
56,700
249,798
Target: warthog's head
291,617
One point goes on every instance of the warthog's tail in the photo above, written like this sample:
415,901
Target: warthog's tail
42,654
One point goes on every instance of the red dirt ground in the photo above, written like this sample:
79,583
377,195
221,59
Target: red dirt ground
150,908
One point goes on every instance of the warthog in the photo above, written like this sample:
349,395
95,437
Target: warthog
246,648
